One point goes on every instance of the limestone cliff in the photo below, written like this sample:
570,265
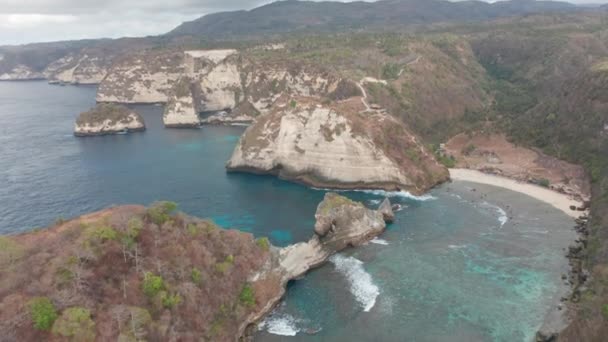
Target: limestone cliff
180,111
227,84
79,68
341,145
21,73
108,119
132,273
142,77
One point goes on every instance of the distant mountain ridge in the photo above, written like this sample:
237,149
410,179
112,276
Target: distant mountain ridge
292,15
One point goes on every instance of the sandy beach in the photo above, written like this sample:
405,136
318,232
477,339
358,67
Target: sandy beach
557,200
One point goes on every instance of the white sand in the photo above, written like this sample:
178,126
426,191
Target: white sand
557,200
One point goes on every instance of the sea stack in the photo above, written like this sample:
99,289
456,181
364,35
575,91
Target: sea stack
107,118
180,111
340,145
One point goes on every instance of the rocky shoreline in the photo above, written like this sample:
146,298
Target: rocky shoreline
340,224
576,278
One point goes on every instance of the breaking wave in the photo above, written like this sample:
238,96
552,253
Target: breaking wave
361,283
283,325
502,215
379,241
384,193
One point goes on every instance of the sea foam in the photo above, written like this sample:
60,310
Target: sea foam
384,193
378,241
502,215
283,325
361,283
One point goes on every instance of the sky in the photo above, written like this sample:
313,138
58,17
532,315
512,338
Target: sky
26,21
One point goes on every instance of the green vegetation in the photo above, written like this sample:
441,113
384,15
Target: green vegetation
42,312
152,284
293,104
335,201
169,301
413,154
75,323
605,311
222,267
160,212
196,276
104,233
467,150
263,243
10,252
247,296
447,161
391,71
544,182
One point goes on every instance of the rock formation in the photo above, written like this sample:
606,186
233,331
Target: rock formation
81,68
142,77
340,223
20,73
387,210
337,146
108,119
135,273
230,86
180,111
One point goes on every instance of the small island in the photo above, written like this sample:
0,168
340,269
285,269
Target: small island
107,118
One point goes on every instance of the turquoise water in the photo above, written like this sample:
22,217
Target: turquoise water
464,265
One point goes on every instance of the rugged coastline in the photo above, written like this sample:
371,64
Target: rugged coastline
236,279
558,317
338,146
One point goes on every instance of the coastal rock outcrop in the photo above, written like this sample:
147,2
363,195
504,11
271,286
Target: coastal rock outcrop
223,81
180,111
339,145
79,68
340,223
21,73
142,77
387,210
135,273
108,119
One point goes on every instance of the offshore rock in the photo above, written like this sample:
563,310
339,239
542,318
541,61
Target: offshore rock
108,119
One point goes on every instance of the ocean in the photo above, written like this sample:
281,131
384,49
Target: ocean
465,262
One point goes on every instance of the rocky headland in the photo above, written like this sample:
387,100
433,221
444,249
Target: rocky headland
337,145
108,119
180,111
136,273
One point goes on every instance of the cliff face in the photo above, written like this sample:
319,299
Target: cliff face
143,77
229,86
133,273
180,111
108,119
82,68
339,146
20,73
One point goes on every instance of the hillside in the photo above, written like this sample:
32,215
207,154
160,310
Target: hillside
131,273
307,16
86,61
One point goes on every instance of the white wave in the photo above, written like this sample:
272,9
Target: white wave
402,194
374,202
456,195
457,246
502,215
384,193
283,325
361,283
240,124
379,241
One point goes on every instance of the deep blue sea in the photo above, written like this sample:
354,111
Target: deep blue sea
465,263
